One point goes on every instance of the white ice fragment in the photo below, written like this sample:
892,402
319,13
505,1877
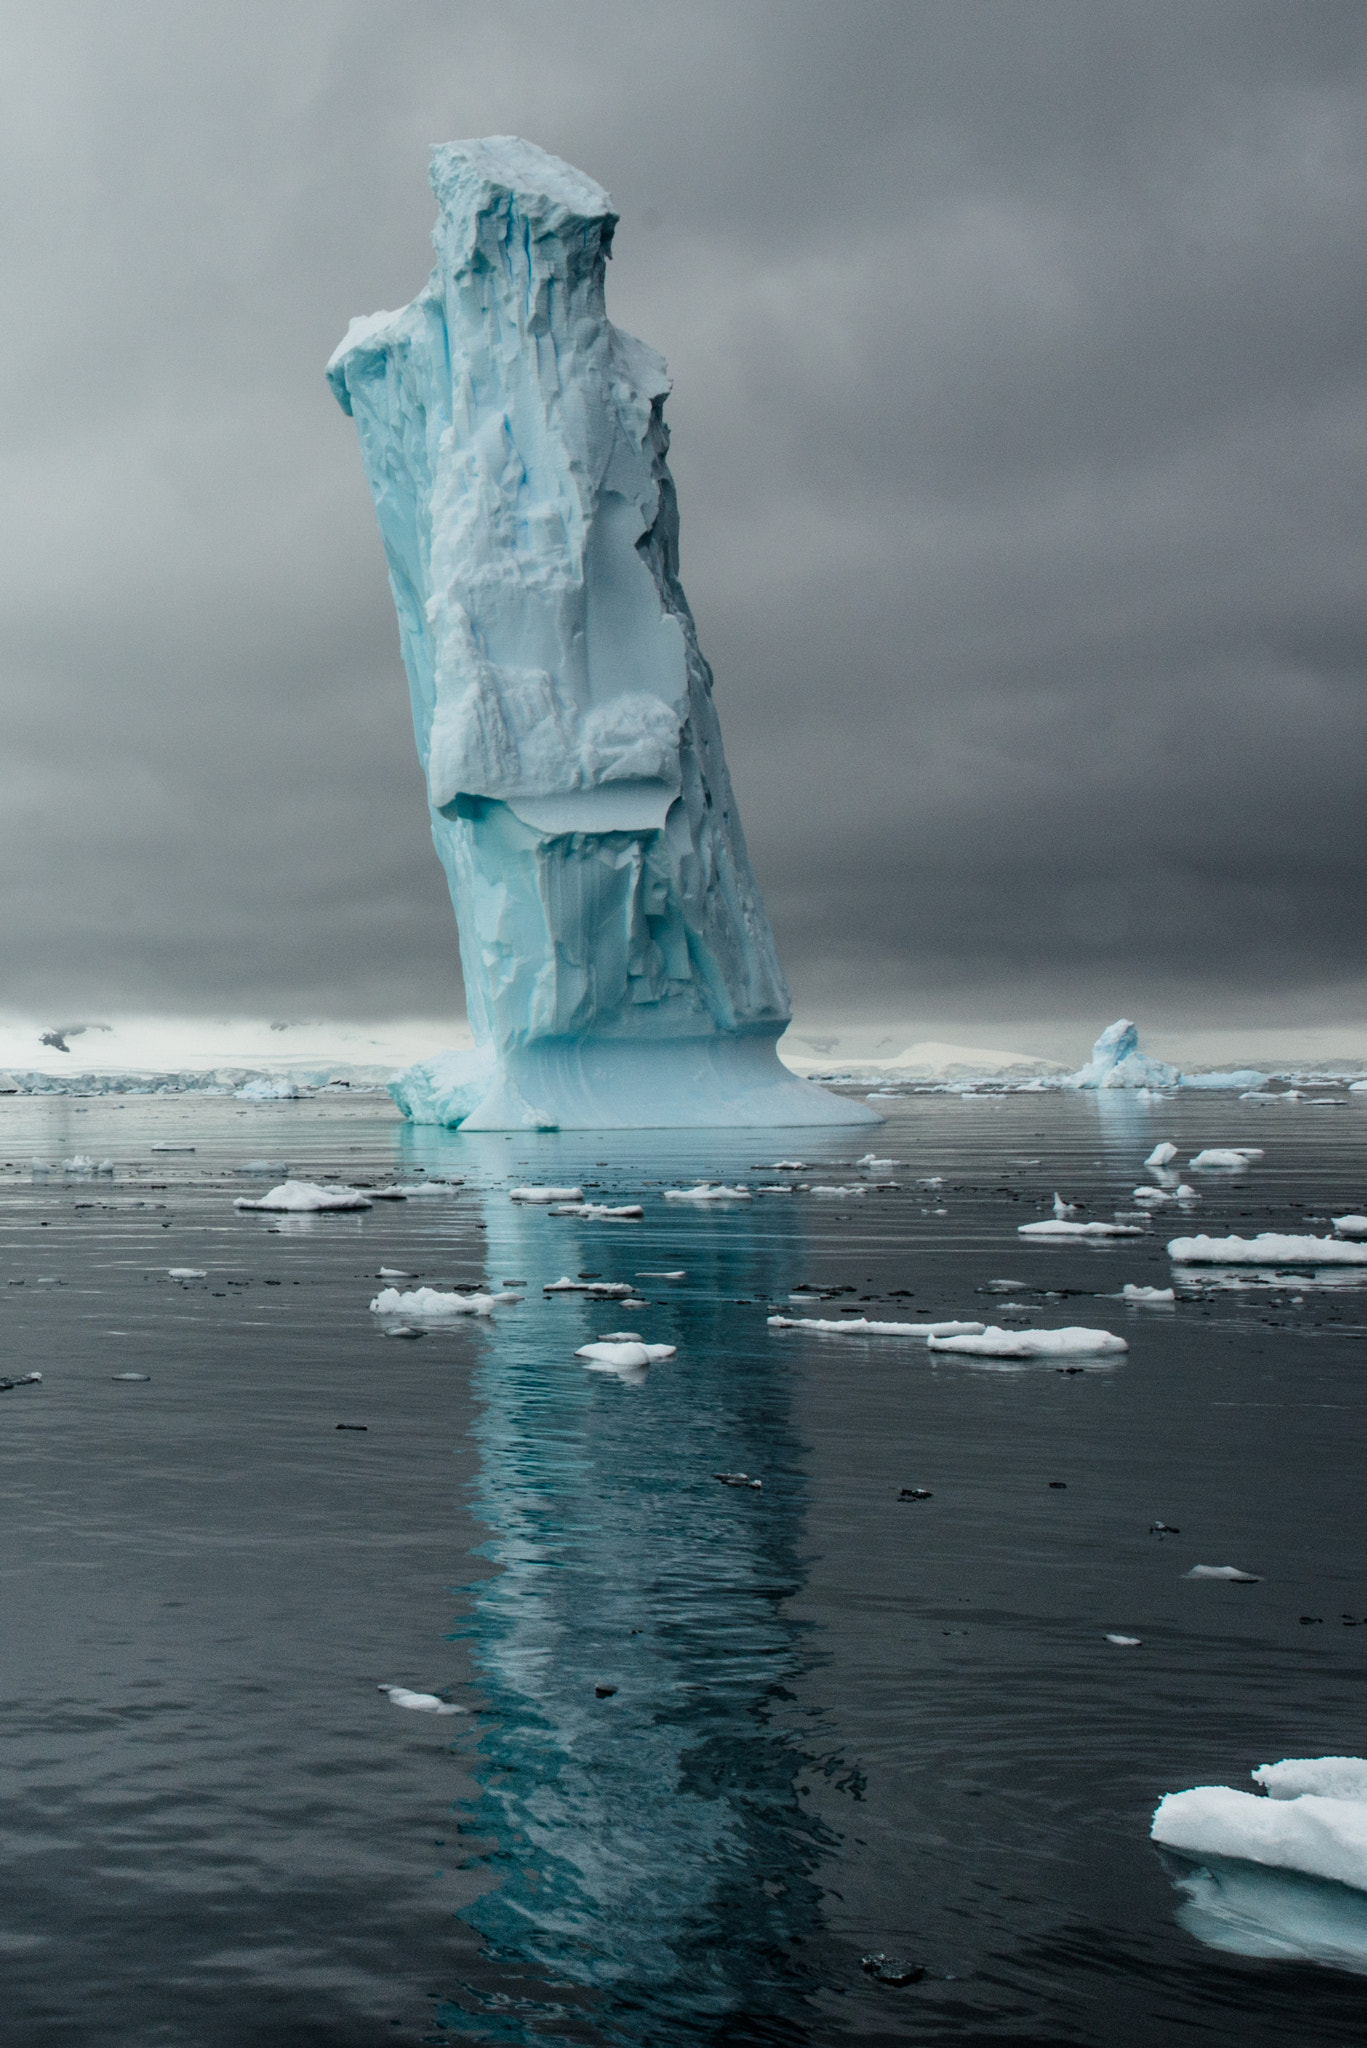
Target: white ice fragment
306,1195
707,1191
1318,1836
1268,1248
1162,1154
1224,1158
1062,1208
678,1274
607,1289
1183,1193
1050,1228
1117,1062
186,1273
419,1702
1328,1777
860,1326
836,1193
872,1165
394,1273
1230,1572
545,1195
620,1352
789,1166
1152,1296
1125,1642
1350,1226
1069,1343
1155,1197
599,1212
428,1304
427,1187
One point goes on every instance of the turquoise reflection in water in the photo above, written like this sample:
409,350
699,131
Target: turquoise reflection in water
650,1862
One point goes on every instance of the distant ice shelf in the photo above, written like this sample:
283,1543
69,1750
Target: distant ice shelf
619,967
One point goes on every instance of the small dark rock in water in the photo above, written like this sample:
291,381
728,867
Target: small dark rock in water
738,1479
604,1692
402,1330
1069,1370
915,1493
1059,1485
130,1375
891,1970
353,1425
1163,1529
1308,1619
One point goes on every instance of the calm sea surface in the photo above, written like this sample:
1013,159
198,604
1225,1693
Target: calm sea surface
842,1722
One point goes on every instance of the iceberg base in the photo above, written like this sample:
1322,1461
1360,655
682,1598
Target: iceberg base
606,1084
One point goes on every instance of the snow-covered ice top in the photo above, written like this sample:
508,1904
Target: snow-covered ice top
1314,1822
1268,1248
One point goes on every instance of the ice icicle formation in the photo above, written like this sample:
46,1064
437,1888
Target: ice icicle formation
619,967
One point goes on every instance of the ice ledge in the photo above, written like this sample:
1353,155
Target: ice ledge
602,1084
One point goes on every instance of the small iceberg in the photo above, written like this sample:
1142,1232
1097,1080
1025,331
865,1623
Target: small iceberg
1070,1343
1162,1155
540,1196
1350,1226
1268,1248
1051,1227
860,1326
428,1304
1230,1573
1148,1297
298,1196
1117,1062
837,1193
623,1351
708,1191
1224,1158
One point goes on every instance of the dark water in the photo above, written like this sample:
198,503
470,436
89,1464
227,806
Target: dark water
840,1723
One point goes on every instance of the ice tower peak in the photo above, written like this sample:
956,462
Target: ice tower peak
618,962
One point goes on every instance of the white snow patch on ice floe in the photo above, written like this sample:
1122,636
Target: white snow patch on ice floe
1224,1158
1350,1226
1229,1572
1162,1154
707,1191
429,1304
297,1195
1330,1777
537,1196
1151,1296
1318,1836
1053,1228
1069,1343
860,1326
1268,1248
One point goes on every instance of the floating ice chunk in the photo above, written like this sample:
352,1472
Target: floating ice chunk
1162,1154
1350,1226
1126,1642
624,1352
545,1195
1329,1777
419,1702
775,1188
394,1273
607,1289
1154,1196
1069,1343
599,1212
1357,1087
1062,1208
678,1274
305,1195
1317,1836
836,1193
860,1326
426,1187
1152,1296
266,1088
186,1273
1268,1248
707,1191
1224,1158
428,1304
1050,1228
1117,1062
1183,1193
872,1165
1230,1572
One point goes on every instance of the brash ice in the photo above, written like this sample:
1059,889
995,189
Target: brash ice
619,966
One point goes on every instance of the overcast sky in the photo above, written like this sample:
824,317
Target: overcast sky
1020,427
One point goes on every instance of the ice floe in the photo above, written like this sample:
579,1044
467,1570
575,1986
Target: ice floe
419,1702
1125,1642
1162,1154
1154,1196
429,1304
1151,1297
305,1195
837,1193
1224,1158
1268,1248
1350,1226
623,1351
1069,1343
616,1290
599,1212
707,1191
186,1273
861,1326
1051,1227
538,1196
1229,1572
1317,1834
679,1273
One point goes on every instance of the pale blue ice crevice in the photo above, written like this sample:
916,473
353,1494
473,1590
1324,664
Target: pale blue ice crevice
619,967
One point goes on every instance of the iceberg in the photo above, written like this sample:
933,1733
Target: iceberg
618,963
1117,1062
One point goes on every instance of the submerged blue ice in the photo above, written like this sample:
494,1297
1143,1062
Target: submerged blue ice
619,967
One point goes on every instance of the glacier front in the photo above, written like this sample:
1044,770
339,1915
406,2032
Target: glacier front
619,968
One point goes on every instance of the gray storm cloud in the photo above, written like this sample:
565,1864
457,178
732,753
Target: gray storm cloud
1020,426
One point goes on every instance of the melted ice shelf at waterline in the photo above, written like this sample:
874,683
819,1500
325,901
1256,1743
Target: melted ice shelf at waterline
619,967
